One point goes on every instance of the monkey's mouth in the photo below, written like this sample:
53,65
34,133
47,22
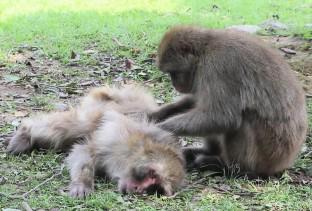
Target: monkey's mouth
143,187
155,189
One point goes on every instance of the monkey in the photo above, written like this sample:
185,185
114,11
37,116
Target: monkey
239,90
108,132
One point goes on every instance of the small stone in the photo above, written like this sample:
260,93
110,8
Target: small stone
60,107
246,28
159,101
274,25
63,95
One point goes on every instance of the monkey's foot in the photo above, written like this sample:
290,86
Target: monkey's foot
20,142
79,190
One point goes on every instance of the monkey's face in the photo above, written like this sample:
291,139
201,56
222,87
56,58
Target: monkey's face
181,68
142,180
149,180
182,82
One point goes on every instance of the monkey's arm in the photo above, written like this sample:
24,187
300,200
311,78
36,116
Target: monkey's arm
172,109
199,123
82,170
57,130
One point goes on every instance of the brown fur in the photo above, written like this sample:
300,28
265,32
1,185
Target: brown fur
243,91
108,132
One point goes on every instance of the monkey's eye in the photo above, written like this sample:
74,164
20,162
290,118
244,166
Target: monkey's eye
152,173
142,173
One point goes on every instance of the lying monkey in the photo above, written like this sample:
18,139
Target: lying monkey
108,132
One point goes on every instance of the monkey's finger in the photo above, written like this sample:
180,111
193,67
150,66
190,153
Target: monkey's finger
79,191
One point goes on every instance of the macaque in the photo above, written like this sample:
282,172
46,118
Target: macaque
108,132
240,91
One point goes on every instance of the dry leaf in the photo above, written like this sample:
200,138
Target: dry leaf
20,113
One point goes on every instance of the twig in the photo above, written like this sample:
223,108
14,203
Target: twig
26,206
23,196
246,193
308,96
44,182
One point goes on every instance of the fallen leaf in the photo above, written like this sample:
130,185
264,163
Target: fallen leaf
288,51
90,51
73,55
87,83
20,113
135,51
129,63
2,180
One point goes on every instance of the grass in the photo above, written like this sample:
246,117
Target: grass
59,27
120,29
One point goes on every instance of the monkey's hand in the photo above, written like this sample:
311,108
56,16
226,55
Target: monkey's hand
80,190
156,116
172,109
21,141
202,123
192,123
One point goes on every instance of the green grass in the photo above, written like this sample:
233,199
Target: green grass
61,26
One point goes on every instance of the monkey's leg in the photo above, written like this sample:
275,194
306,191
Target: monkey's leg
82,170
199,158
57,130
191,153
172,109
206,157
210,163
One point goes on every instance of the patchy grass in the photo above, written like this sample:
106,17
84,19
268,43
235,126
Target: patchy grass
52,51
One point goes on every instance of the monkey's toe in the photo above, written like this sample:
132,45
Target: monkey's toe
79,190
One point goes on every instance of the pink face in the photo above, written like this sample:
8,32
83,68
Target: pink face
149,184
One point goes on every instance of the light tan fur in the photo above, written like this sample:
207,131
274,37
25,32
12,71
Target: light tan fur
108,132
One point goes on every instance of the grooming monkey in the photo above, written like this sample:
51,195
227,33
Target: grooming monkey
108,132
241,97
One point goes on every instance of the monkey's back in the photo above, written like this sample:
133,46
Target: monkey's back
271,98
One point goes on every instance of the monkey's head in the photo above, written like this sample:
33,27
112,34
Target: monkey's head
177,56
155,170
